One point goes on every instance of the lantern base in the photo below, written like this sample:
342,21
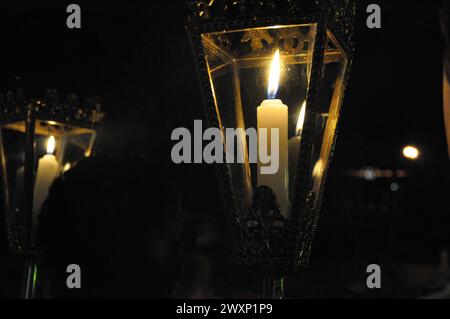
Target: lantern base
268,243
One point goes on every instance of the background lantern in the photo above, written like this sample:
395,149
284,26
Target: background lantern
280,64
40,139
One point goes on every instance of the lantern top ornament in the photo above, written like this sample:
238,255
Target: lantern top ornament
238,14
69,111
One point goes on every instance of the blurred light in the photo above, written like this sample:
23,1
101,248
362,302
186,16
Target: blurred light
400,173
388,173
369,174
378,173
394,187
410,152
66,167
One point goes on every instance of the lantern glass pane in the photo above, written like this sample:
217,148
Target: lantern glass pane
238,63
71,143
13,160
327,113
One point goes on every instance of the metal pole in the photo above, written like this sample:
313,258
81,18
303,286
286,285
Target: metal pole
272,287
28,245
29,278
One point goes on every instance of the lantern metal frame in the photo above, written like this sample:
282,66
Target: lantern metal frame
31,117
283,244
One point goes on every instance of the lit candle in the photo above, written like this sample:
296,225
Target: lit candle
48,169
272,113
294,144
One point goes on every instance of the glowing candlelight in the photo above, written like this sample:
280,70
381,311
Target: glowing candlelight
273,114
48,169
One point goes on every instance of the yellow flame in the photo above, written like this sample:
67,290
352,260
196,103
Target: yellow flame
410,152
318,168
274,75
301,119
51,145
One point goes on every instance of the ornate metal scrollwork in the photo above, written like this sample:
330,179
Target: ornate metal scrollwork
239,9
264,225
241,14
271,243
88,114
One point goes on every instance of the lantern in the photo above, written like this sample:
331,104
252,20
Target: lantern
283,65
40,139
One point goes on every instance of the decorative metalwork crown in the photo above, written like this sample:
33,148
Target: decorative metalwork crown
13,107
339,13
239,9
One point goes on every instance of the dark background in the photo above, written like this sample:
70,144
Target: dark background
135,55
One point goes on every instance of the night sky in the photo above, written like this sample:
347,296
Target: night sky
135,55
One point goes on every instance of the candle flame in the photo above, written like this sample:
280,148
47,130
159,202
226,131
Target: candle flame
274,75
301,119
318,168
51,145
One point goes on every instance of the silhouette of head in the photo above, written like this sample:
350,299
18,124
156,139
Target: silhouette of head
117,220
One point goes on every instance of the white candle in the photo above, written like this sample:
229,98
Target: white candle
48,169
272,113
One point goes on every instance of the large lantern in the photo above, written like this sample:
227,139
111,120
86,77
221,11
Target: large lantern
40,139
274,64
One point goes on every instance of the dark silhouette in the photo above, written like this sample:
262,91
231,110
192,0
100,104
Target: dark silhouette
118,220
